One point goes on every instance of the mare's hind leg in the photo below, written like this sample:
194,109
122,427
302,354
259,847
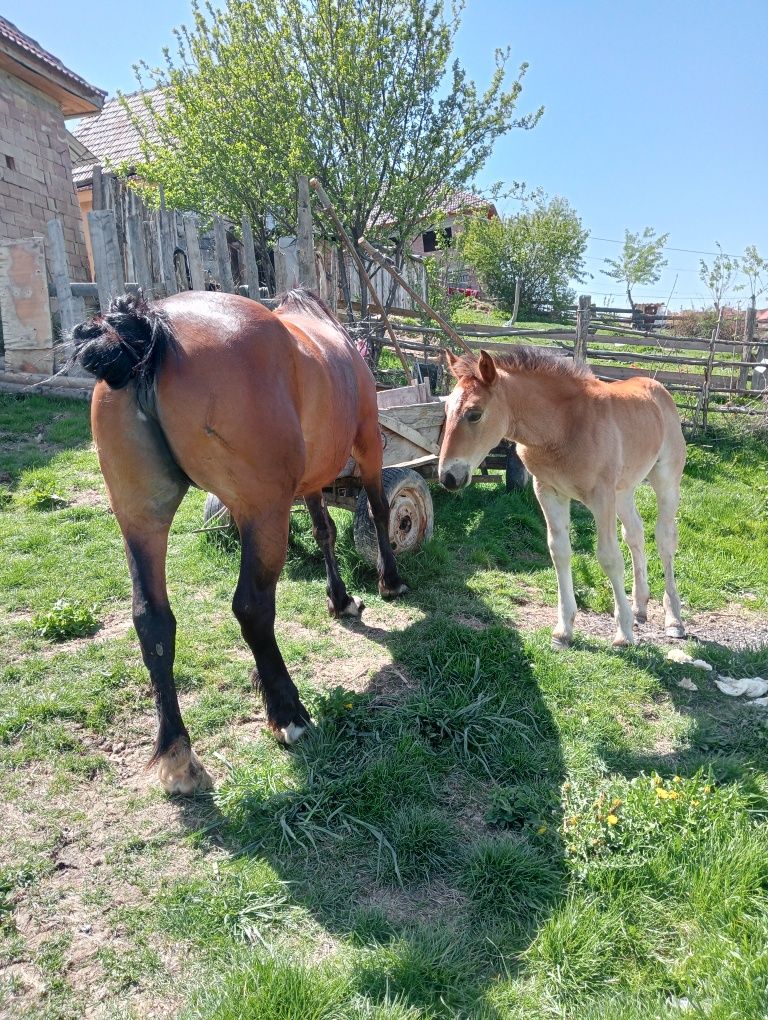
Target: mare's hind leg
145,488
634,535
340,603
368,451
264,541
665,480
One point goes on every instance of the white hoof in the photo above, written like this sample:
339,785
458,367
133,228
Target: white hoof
560,642
675,630
289,734
354,607
183,774
621,641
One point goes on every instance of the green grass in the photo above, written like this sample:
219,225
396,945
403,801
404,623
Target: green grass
495,830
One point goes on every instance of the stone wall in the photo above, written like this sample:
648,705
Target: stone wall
36,171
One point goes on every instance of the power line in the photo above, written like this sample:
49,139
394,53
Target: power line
688,251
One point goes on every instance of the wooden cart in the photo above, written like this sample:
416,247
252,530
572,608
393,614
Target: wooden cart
411,422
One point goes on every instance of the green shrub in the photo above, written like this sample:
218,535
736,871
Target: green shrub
66,620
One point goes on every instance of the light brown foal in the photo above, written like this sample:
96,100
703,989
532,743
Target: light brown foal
581,439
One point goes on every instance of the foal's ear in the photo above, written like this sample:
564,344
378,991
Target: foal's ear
487,368
452,361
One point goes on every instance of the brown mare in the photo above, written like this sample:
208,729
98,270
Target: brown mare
258,407
581,439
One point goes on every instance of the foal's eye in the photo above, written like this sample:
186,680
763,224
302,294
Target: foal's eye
474,416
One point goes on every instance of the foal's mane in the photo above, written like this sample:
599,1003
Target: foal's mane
524,360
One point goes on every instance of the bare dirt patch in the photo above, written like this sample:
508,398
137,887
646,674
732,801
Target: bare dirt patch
734,627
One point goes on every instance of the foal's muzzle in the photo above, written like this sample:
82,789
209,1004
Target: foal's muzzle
455,477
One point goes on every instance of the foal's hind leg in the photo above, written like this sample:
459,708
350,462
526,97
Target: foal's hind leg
603,506
340,603
665,480
145,488
264,540
634,535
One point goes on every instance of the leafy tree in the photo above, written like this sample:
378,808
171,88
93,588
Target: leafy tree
755,268
357,92
640,262
718,277
543,246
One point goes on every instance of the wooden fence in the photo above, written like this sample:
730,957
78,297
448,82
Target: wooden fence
710,375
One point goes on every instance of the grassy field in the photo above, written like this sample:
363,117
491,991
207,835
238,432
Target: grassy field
477,827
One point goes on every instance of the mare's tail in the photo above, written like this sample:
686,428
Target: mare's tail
127,344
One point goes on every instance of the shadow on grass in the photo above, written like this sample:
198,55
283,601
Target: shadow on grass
419,828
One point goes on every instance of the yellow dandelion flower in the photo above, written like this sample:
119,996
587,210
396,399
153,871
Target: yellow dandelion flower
695,803
707,789
663,794
673,794
657,780
541,829
612,820
677,779
573,820
617,803
348,705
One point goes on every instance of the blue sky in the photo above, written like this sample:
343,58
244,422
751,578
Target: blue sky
656,113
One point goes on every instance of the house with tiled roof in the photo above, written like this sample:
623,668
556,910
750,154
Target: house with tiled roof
37,94
436,239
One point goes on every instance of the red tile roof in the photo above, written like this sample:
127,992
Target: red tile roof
111,136
9,33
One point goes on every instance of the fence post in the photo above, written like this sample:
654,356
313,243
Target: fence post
167,248
305,242
222,255
583,316
107,262
26,312
71,308
194,258
249,255
135,233
746,346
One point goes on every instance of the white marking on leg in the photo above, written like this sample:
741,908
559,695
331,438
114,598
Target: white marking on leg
612,562
182,773
557,513
159,648
634,536
291,733
666,483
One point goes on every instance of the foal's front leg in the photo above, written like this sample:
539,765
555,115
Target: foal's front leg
611,560
557,513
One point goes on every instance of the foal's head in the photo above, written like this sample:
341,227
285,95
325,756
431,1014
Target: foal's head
476,419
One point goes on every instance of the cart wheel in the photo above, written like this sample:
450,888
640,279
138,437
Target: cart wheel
411,516
216,515
517,476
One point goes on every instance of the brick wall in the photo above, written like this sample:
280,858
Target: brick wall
36,171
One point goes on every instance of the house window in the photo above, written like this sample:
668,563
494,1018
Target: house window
430,239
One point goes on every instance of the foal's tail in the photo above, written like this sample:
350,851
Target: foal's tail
127,344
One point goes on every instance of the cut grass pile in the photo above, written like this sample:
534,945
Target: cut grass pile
476,827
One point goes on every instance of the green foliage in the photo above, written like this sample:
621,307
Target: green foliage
66,620
360,93
37,490
543,246
640,262
755,268
718,277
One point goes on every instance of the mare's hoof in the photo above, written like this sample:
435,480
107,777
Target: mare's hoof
289,734
560,642
182,773
392,593
641,618
675,630
353,608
